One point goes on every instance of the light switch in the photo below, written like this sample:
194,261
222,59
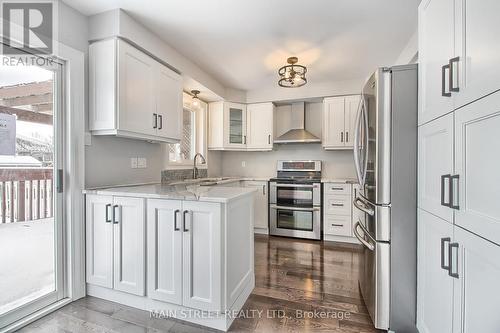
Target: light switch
133,162
142,162
243,164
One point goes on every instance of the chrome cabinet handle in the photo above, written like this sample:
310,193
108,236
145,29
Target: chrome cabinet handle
337,205
184,221
443,246
370,247
336,188
176,228
346,136
115,221
452,87
443,81
245,139
263,189
443,180
451,271
155,120
454,194
337,225
341,136
108,206
269,139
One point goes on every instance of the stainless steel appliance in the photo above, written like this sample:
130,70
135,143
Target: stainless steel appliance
295,200
385,155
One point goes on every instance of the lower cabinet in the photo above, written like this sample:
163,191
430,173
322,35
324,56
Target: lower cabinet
115,243
261,205
458,274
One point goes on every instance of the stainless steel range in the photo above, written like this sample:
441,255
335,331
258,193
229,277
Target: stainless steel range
295,200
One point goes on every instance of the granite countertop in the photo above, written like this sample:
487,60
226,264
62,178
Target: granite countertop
189,191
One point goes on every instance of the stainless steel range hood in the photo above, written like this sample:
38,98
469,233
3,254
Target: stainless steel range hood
297,132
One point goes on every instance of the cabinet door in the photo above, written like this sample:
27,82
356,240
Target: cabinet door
260,126
168,103
164,250
477,164
260,204
434,285
435,159
99,240
351,110
333,123
136,91
436,48
476,291
129,245
235,125
202,255
478,46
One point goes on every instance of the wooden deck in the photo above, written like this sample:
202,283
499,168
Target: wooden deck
294,278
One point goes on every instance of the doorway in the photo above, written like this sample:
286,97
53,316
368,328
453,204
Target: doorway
31,205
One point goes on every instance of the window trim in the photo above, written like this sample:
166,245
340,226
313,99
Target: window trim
200,137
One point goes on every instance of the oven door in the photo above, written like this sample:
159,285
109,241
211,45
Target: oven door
297,195
295,221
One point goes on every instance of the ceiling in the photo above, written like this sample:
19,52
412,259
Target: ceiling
243,43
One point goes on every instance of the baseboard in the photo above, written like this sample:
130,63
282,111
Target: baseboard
261,231
341,239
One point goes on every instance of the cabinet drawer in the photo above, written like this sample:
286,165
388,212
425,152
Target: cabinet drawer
337,225
337,188
337,205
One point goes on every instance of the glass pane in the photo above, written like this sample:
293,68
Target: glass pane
27,228
296,220
235,126
294,197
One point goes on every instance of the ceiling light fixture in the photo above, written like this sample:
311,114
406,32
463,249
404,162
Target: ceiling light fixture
292,75
195,102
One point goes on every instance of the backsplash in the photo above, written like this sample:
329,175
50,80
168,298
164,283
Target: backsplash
181,174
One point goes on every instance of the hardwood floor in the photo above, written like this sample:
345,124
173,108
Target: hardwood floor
301,286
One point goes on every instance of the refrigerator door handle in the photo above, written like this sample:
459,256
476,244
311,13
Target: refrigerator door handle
369,246
356,141
363,206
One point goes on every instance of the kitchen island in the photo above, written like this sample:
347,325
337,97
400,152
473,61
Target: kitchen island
182,251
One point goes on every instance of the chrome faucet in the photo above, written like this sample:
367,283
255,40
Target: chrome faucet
195,169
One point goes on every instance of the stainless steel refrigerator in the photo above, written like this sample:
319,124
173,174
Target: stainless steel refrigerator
385,155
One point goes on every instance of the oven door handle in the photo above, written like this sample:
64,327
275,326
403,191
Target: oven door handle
293,185
295,208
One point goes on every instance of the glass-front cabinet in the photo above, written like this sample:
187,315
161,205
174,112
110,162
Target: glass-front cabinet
235,122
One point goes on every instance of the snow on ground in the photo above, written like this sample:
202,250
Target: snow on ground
26,262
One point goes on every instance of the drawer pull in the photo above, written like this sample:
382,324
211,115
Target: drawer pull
337,205
337,188
337,225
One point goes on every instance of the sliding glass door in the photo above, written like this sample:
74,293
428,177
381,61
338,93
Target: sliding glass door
31,205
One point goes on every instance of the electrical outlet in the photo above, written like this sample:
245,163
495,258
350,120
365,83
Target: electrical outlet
142,162
133,162
243,164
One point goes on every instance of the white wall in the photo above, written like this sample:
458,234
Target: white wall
410,51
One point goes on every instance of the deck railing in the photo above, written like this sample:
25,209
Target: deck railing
26,194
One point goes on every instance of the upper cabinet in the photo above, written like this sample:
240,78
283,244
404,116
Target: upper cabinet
339,116
132,94
234,126
459,41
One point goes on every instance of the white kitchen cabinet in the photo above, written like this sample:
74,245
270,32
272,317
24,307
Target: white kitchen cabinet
164,250
115,243
477,40
131,94
477,164
129,245
227,126
201,255
436,33
99,240
261,205
434,285
338,212
260,128
339,115
476,292
435,156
